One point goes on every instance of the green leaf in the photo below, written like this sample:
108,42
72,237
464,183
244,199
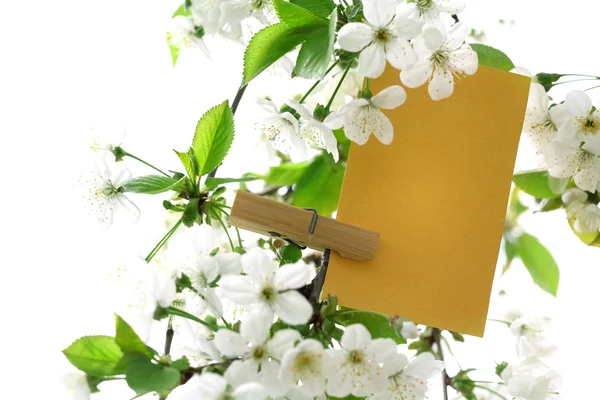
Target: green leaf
539,262
320,186
298,18
377,324
286,174
535,183
183,11
547,205
547,80
290,254
129,341
589,239
492,57
173,48
188,164
315,55
457,336
213,138
94,355
511,251
267,46
322,8
181,364
212,183
154,184
191,212
145,377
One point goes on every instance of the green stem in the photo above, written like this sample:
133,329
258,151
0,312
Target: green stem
592,88
500,321
584,75
221,207
491,391
180,313
317,82
368,84
162,241
575,80
337,88
227,233
146,163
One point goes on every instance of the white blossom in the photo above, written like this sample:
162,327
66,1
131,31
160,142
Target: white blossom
441,58
260,355
570,156
363,117
585,215
210,386
408,380
184,34
531,387
106,138
143,287
357,369
74,386
105,190
321,133
577,117
282,129
308,364
194,342
384,35
540,122
532,341
271,287
430,10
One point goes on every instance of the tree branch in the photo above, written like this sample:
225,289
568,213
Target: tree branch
436,335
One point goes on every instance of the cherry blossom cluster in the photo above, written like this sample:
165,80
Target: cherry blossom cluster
567,140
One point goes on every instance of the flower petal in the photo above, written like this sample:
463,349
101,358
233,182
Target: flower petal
240,289
292,276
381,349
379,12
230,343
400,54
424,366
292,308
371,62
442,85
255,327
383,130
282,341
250,391
464,59
268,105
456,35
356,337
417,75
229,263
355,36
390,97
301,109
129,205
433,38
257,264
578,103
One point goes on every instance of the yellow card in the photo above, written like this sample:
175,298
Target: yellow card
437,195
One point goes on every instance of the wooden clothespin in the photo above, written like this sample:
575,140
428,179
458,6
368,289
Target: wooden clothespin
302,226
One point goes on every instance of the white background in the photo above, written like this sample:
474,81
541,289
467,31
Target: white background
66,65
